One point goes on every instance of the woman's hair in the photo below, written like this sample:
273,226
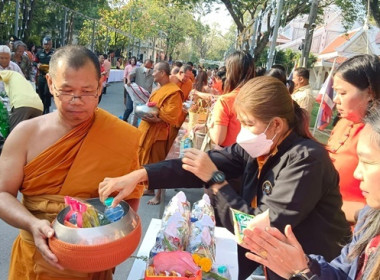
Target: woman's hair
267,97
372,269
290,85
277,73
18,44
200,81
130,60
240,69
260,71
363,72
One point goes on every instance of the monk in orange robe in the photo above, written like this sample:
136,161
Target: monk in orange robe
67,152
154,143
183,80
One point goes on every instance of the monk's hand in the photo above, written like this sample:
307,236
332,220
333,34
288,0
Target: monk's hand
198,163
41,231
152,119
280,253
124,185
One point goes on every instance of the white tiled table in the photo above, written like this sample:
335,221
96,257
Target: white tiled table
116,75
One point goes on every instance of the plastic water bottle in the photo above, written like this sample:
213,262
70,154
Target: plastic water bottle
186,143
223,271
113,214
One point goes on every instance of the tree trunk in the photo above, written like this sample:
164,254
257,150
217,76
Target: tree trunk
28,17
70,29
235,17
375,10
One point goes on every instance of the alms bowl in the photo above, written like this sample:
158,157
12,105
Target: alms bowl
98,248
146,111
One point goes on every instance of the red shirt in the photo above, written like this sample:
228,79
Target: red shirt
225,114
342,149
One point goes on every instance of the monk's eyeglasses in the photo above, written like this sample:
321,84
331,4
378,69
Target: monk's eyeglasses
85,96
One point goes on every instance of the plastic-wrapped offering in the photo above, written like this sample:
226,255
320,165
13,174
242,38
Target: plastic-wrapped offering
241,221
163,264
202,239
179,204
202,207
81,214
176,233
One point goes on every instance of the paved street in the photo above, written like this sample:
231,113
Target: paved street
112,102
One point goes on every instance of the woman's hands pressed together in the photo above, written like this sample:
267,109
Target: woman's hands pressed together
281,253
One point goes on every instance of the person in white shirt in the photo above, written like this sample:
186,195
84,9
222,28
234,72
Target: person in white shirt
302,93
6,63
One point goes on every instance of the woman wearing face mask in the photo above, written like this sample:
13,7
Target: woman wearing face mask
287,177
360,260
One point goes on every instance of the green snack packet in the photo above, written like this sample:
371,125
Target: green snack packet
4,121
241,221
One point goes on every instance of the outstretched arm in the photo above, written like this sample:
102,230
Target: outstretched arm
124,185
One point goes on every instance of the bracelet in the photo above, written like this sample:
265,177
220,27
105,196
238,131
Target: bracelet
306,269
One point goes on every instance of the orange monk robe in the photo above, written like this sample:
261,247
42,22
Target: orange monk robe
192,77
154,140
103,146
186,87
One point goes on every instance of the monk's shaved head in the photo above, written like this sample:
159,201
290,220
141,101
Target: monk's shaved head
164,66
186,68
75,56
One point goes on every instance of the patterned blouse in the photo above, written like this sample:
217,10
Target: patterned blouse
25,65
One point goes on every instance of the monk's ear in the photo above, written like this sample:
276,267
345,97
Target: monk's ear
49,83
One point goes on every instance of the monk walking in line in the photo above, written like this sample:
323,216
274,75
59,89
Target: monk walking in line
154,143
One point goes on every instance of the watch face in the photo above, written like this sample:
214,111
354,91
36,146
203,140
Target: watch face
219,177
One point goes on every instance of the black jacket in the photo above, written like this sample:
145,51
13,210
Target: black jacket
299,185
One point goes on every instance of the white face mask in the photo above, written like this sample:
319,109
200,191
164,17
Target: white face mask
254,144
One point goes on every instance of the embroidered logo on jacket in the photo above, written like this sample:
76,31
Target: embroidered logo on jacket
267,187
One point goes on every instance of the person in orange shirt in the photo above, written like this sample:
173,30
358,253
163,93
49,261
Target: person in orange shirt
66,152
357,86
224,126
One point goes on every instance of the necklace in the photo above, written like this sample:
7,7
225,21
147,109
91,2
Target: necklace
340,143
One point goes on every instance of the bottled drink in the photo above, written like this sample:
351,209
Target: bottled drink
223,271
113,214
186,143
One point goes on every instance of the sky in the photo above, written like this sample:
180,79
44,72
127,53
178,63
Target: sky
219,15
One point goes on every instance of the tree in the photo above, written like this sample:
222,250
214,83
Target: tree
38,18
245,12
353,10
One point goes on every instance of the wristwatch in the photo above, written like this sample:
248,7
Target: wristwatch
218,177
302,276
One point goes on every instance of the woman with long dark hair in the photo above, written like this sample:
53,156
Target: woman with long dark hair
224,128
